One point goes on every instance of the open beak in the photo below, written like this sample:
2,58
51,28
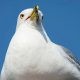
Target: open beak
34,15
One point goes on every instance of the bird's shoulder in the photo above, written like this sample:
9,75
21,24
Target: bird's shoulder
69,56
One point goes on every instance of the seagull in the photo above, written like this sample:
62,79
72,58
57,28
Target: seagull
31,54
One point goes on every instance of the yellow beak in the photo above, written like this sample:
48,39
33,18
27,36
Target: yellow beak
34,14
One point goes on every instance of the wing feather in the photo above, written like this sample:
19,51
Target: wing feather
71,57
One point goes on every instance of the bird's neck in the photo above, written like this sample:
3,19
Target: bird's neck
39,28
43,33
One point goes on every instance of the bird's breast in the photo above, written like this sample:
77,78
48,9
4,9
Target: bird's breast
30,56
25,51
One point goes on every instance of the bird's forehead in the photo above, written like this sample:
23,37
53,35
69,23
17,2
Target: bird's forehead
28,11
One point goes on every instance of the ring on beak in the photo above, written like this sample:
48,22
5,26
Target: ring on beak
34,14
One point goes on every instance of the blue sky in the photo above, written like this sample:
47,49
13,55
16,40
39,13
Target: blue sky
61,21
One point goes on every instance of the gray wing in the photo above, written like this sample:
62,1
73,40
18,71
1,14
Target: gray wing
71,57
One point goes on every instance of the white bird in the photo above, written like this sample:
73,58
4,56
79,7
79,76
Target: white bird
31,55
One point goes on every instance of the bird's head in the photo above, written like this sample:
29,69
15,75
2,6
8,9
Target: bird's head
32,16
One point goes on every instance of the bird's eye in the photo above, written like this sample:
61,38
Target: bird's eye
21,16
42,17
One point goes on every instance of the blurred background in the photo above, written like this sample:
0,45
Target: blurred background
61,21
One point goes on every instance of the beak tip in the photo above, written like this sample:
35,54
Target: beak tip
37,7
34,13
